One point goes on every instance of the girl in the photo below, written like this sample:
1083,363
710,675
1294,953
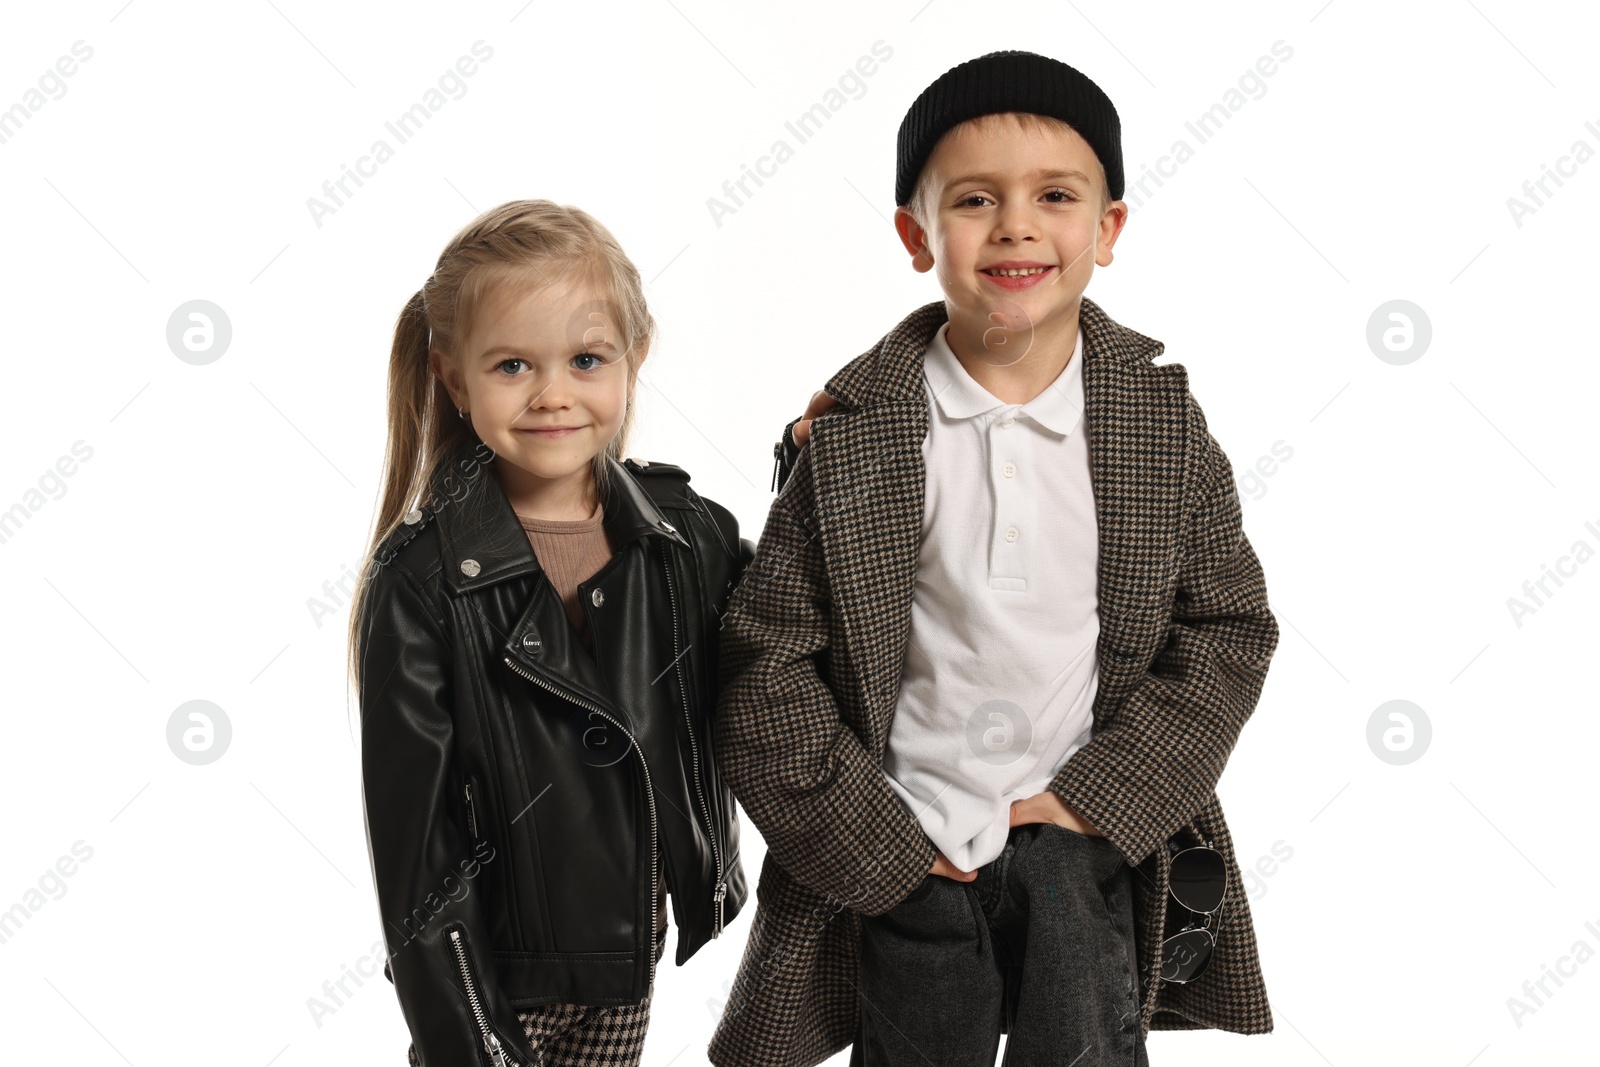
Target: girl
535,650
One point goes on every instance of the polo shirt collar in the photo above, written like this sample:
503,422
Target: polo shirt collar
959,395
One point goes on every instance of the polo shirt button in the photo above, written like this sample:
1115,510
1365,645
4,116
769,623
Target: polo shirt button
1010,470
1011,533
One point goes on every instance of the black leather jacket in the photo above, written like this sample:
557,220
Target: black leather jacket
519,793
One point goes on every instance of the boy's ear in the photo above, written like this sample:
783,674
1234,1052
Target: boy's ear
915,238
1111,223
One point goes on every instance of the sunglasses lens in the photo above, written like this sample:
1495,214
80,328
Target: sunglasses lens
1184,956
1199,879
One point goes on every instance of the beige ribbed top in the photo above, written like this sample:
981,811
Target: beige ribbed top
570,551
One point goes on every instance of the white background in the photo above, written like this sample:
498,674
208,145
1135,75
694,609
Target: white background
182,560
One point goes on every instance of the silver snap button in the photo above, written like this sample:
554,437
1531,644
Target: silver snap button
470,568
531,643
597,598
413,517
1011,533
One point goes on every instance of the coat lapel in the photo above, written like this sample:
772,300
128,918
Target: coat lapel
869,480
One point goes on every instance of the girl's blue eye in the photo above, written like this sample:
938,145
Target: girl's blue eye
504,363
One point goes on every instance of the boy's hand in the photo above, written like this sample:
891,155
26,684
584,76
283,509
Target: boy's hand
943,866
820,403
1049,807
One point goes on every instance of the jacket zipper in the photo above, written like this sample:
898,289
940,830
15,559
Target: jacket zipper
649,793
720,890
472,812
491,1044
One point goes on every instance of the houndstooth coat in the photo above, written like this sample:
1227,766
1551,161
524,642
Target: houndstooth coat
812,644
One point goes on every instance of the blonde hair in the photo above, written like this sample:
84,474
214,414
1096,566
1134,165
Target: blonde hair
521,243
921,203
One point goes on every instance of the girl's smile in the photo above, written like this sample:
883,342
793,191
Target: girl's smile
542,432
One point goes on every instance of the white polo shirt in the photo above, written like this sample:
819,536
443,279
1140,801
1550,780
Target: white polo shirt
1000,672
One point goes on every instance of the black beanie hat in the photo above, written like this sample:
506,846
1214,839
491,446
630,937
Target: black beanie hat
1008,81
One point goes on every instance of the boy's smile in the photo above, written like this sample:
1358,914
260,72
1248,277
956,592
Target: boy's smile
1015,216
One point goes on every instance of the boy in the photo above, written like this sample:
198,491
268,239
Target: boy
1000,634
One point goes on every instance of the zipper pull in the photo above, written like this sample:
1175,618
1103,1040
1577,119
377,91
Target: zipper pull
472,812
722,890
497,1053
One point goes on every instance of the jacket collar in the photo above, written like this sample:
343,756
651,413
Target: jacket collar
482,542
894,373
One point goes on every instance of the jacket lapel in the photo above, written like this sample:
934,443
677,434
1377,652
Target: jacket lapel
869,480
482,544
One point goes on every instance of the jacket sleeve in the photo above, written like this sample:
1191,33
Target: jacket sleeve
1155,764
820,800
422,862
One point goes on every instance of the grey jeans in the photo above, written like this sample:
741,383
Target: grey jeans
1041,941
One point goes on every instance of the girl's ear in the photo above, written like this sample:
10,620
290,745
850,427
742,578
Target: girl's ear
444,368
634,368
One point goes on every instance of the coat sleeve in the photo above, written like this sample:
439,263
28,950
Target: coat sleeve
423,865
1148,770
819,799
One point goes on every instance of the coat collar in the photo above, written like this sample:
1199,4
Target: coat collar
482,542
892,369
